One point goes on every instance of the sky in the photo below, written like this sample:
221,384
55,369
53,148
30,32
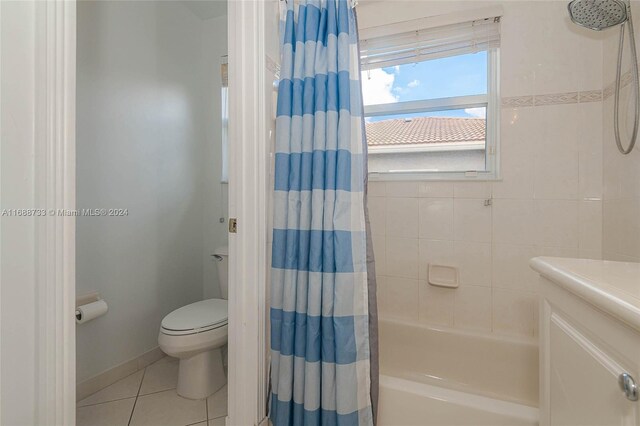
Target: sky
439,78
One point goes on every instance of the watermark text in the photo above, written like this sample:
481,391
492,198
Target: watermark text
100,212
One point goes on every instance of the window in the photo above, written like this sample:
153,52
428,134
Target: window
431,100
224,106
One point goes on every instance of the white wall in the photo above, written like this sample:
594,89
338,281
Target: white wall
621,172
17,266
145,142
549,201
214,46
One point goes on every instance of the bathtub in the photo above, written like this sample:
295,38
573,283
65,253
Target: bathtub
431,376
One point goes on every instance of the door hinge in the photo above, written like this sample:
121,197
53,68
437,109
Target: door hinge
233,225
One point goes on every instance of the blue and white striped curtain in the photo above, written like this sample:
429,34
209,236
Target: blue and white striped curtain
320,341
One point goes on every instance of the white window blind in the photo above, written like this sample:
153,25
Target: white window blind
430,43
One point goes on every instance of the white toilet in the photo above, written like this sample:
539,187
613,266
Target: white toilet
195,334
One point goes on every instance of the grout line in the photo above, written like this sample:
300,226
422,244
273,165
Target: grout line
206,404
197,423
154,392
106,402
492,254
137,395
103,388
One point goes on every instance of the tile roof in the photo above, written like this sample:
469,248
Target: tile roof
423,130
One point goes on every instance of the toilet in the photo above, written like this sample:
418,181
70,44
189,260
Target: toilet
195,335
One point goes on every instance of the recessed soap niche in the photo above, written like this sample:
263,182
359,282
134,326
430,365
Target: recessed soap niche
443,276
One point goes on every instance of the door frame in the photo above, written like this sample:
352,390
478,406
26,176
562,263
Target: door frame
55,190
248,202
54,164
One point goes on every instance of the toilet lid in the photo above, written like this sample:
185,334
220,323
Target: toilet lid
204,314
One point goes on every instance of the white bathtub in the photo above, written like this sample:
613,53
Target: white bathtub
443,377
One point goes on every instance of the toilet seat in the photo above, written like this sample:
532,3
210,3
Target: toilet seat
195,318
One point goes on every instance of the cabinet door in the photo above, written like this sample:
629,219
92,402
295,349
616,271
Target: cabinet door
583,380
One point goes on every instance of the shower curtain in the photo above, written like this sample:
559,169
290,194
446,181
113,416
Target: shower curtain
323,317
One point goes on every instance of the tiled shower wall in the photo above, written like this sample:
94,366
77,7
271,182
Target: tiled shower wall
621,239
549,201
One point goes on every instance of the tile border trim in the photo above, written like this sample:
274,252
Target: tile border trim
554,99
626,79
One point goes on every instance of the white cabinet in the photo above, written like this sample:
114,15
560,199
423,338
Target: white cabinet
583,379
586,343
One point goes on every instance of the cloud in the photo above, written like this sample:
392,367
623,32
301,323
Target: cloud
377,87
414,83
476,112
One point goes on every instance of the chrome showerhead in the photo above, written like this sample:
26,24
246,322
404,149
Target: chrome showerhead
598,14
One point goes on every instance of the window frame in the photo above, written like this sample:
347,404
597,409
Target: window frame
490,101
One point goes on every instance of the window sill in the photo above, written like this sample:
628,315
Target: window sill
435,176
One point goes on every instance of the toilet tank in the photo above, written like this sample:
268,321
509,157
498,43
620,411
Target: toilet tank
221,254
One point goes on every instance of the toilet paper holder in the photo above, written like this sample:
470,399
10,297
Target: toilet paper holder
90,307
87,298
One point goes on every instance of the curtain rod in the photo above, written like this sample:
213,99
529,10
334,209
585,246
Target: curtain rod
354,3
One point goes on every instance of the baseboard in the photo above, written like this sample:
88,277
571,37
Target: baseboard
112,375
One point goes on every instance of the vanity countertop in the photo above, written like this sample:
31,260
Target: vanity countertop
613,287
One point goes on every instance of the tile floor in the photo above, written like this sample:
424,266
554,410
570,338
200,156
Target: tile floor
148,397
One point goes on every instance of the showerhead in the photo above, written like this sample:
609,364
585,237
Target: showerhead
598,14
